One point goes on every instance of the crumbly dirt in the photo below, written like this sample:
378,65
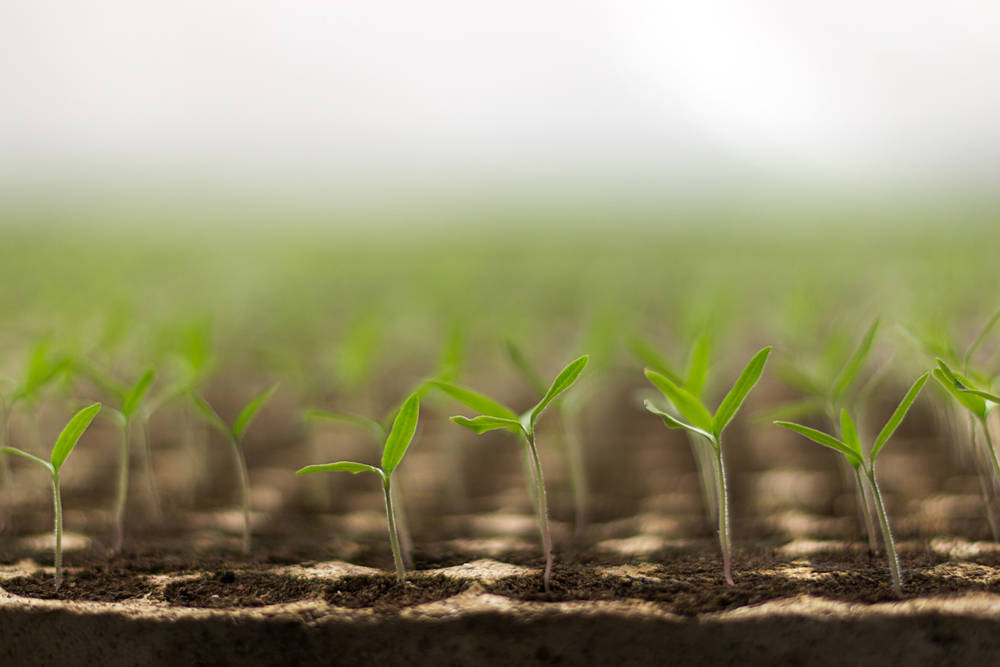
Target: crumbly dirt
384,594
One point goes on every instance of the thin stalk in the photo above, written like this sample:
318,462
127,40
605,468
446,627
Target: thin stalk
147,464
866,510
405,538
5,477
241,463
390,514
987,491
724,540
993,450
703,461
57,502
890,543
119,514
529,473
577,473
543,513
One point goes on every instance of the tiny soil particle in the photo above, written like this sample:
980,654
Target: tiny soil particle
227,588
99,585
385,594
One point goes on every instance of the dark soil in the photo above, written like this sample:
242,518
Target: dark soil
384,593
101,585
229,589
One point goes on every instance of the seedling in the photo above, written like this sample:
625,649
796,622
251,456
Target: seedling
978,402
235,434
64,445
496,416
398,440
710,427
131,404
850,446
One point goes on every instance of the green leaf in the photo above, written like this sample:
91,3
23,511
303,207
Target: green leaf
524,367
478,402
823,439
734,399
650,358
484,423
211,416
401,434
250,411
373,427
849,434
21,452
341,466
854,364
138,392
563,381
899,414
71,434
993,398
697,366
689,406
955,386
673,422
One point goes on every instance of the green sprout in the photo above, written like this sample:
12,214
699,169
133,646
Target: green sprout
130,409
235,434
710,427
64,445
397,441
850,446
42,368
496,416
977,401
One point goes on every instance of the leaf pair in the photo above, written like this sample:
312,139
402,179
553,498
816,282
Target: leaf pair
235,432
494,415
695,373
849,444
699,419
976,401
404,426
66,441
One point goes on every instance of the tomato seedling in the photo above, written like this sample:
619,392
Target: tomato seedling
235,434
398,440
849,444
64,444
496,416
710,427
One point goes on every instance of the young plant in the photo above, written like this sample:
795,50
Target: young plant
396,443
496,416
64,445
978,402
234,434
710,427
130,409
850,446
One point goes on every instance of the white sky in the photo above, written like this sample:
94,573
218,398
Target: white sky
437,93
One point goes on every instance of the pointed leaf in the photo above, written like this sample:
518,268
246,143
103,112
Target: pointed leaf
340,466
21,452
854,364
688,405
823,439
373,427
484,423
673,422
138,392
211,416
697,366
401,435
563,381
250,411
955,386
992,398
899,414
734,399
849,434
478,402
71,434
524,367
650,358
